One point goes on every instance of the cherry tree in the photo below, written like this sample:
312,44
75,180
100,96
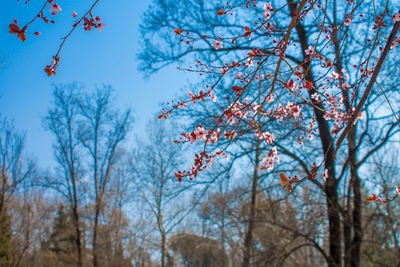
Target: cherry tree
312,63
383,40
319,95
47,13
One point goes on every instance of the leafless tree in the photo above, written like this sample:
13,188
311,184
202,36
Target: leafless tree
16,172
61,121
155,162
15,168
101,132
88,132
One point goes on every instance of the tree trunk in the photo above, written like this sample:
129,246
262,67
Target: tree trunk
223,240
249,235
78,234
163,248
330,186
1,203
352,247
163,235
357,238
95,232
347,238
334,222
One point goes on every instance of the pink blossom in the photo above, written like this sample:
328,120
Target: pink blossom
255,108
396,17
100,26
292,108
280,113
335,75
292,86
231,120
267,15
249,63
300,141
192,168
394,44
192,97
397,191
182,105
214,136
219,153
74,14
217,44
269,161
55,8
200,133
268,7
230,134
315,96
267,136
326,175
310,50
347,21
224,70
189,137
346,86
269,98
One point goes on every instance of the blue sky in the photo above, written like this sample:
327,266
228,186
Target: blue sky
91,58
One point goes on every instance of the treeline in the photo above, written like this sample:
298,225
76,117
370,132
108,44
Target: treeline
113,200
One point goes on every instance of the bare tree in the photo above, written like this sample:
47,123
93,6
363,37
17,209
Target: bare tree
101,132
155,162
61,121
14,167
15,170
88,132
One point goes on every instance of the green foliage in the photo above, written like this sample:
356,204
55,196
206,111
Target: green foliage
60,249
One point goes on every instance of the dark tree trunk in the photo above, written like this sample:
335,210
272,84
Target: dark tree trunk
78,234
95,232
163,248
163,244
357,238
1,204
330,186
249,235
334,223
352,245
347,238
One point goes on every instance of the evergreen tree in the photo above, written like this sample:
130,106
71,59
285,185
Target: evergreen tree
6,245
60,249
